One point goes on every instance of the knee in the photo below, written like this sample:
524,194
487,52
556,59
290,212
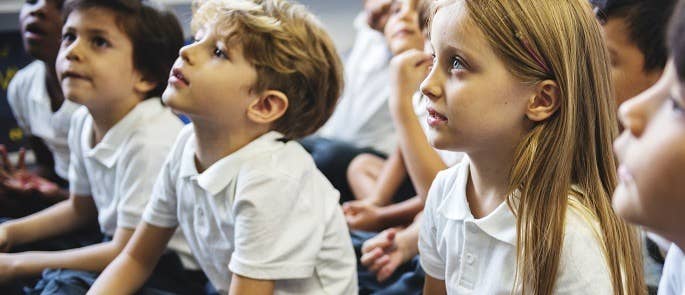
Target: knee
359,165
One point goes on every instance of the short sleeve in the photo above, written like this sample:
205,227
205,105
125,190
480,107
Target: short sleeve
431,261
161,210
277,234
14,98
79,184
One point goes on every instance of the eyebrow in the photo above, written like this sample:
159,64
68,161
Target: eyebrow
89,31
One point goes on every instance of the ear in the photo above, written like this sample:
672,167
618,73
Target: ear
144,86
268,107
545,102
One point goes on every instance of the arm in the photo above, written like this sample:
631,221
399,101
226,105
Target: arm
390,178
244,285
421,160
72,214
433,286
137,261
91,258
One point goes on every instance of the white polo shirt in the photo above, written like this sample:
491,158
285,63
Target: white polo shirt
674,273
30,103
478,256
362,116
119,172
263,212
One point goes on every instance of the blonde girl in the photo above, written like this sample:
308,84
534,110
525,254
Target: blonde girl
522,87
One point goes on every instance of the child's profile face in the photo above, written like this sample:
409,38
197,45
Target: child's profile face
40,23
95,60
474,103
402,30
651,152
211,79
627,62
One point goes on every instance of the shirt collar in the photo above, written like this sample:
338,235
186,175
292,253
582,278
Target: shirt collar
109,148
499,224
215,178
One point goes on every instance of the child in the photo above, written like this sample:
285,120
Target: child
652,158
113,58
36,100
409,171
258,215
360,121
523,89
635,33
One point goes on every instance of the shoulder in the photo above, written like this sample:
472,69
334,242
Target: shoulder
583,264
25,80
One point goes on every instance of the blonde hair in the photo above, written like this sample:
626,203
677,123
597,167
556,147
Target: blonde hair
291,52
571,152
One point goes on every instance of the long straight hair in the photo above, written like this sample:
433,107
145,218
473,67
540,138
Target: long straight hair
570,153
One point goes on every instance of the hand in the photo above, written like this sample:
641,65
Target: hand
7,267
19,180
407,70
384,253
377,13
362,215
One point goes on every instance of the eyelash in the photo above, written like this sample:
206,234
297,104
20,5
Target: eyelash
457,60
220,53
675,106
97,41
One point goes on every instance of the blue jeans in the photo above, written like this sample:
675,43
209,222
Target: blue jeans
407,279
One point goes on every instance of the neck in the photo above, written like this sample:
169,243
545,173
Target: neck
488,180
216,140
106,117
53,86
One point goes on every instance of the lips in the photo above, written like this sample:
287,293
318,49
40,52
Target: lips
73,75
403,32
435,118
177,78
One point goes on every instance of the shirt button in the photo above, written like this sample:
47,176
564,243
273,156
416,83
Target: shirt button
200,212
469,259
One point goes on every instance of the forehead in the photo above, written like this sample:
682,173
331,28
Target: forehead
94,19
453,27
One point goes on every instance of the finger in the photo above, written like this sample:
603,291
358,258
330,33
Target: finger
379,263
368,258
382,243
22,156
386,271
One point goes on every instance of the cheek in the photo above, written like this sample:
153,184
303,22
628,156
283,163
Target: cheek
658,167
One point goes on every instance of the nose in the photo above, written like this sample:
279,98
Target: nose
37,9
432,86
636,112
72,52
186,53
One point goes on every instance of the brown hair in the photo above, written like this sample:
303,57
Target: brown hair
290,51
155,34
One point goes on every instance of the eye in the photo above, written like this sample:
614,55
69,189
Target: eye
68,37
675,105
31,2
100,42
457,64
220,53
